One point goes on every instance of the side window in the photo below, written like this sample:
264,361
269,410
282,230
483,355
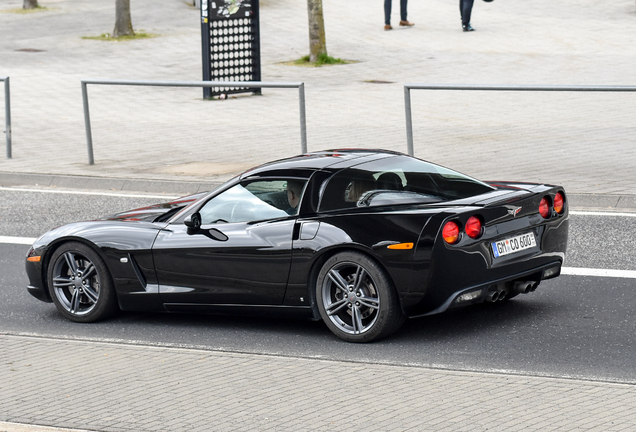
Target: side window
253,201
345,189
396,180
353,188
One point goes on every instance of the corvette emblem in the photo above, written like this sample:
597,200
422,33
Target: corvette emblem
514,212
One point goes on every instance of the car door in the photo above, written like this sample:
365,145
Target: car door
240,255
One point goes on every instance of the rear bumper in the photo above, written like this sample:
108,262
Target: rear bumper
480,293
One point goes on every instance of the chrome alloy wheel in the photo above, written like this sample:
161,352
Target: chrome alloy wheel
76,283
350,298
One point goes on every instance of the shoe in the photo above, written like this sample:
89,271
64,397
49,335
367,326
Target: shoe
406,24
467,27
388,27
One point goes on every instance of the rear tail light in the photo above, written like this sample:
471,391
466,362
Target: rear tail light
544,208
558,203
450,232
473,227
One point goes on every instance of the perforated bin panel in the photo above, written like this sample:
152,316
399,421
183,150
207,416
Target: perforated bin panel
231,44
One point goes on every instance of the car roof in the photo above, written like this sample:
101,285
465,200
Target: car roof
333,159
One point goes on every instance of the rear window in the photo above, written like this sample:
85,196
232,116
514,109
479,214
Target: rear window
397,180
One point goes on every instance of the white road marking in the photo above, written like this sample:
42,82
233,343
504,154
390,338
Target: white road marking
17,240
73,192
601,213
576,271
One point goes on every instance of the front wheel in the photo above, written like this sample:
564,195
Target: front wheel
356,298
80,284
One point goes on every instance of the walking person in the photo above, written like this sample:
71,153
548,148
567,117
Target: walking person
465,9
387,15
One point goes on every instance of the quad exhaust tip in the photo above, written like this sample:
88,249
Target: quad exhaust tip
519,287
492,296
524,287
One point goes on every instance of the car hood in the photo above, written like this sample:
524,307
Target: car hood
154,212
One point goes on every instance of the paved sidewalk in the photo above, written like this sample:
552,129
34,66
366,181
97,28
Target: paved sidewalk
585,141
112,387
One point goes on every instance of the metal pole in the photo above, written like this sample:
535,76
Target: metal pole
303,120
409,121
557,88
465,87
7,114
87,123
205,84
206,48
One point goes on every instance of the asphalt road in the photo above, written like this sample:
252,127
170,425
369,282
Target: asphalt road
573,326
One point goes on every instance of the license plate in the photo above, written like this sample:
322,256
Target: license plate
513,244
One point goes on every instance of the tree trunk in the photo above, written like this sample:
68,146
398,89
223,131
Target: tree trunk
317,41
123,22
30,4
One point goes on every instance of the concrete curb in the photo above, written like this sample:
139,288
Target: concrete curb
105,183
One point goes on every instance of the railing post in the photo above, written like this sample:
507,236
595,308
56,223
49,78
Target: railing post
205,84
303,119
7,115
87,123
409,121
471,87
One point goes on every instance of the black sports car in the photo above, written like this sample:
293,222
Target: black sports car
361,239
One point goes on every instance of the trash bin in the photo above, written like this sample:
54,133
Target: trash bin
230,44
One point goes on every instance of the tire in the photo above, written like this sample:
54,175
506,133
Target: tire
80,284
356,298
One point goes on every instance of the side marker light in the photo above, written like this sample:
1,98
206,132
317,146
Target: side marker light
401,246
34,258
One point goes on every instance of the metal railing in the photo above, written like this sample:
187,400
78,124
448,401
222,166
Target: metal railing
249,84
468,87
7,113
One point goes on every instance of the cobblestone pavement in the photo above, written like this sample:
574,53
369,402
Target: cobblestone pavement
108,387
160,139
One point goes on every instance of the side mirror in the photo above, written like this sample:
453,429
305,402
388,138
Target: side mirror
193,221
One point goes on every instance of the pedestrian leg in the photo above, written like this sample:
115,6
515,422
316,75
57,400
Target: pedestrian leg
465,8
403,21
387,15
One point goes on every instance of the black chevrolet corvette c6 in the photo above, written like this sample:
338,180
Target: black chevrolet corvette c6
358,238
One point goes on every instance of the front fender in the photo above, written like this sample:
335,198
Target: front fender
125,247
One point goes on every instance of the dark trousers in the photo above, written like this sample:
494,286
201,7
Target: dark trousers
465,8
387,11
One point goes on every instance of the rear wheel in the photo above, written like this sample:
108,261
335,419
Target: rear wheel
80,284
356,298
